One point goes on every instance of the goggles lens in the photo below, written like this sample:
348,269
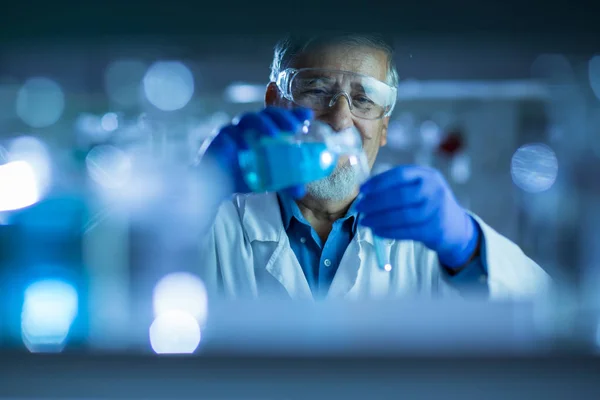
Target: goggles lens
320,89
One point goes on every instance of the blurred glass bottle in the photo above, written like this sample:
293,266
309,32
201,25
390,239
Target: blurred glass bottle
312,153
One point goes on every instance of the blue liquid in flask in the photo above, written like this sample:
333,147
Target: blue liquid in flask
274,163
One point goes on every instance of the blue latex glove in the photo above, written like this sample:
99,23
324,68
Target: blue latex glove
230,140
415,203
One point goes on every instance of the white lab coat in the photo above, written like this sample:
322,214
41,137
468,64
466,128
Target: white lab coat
247,254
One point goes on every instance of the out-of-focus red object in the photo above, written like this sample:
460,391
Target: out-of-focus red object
452,144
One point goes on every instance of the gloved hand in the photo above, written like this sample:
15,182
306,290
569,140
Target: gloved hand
230,140
415,203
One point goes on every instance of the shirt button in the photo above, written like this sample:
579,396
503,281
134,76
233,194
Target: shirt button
302,240
483,279
327,262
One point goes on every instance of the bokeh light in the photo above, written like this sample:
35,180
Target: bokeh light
168,85
430,134
534,167
398,136
109,122
35,153
245,93
89,128
594,74
181,291
49,309
131,179
18,186
123,81
555,68
326,159
460,168
40,102
174,332
108,166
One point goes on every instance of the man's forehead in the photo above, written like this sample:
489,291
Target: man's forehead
361,59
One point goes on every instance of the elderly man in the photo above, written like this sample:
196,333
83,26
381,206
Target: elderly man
311,242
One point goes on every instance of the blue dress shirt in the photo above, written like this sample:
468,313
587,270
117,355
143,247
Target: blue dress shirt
320,260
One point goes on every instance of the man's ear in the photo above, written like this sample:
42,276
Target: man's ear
272,95
384,132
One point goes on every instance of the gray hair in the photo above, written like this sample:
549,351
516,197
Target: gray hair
290,47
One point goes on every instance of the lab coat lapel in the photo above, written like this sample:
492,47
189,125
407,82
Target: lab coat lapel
353,262
262,223
347,274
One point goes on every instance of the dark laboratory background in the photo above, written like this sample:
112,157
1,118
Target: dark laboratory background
103,108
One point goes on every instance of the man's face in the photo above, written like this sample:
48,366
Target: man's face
362,60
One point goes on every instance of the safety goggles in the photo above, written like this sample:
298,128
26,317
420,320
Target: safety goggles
319,89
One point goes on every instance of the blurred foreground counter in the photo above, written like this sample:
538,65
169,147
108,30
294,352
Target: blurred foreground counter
212,377
288,350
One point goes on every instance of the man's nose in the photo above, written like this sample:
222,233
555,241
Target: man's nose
338,116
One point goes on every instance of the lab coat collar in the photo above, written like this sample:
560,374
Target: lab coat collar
261,217
263,222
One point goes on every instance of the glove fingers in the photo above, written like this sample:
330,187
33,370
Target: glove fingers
231,133
399,218
223,145
392,198
284,119
257,122
399,176
223,153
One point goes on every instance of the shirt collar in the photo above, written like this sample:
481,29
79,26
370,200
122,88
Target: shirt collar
290,210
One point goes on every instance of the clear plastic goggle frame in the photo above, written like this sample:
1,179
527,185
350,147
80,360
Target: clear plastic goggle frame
319,89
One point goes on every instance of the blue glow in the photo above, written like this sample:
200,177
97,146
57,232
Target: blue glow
40,102
534,167
109,122
18,186
36,154
181,291
430,134
168,85
460,168
174,332
245,93
123,81
261,163
49,309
